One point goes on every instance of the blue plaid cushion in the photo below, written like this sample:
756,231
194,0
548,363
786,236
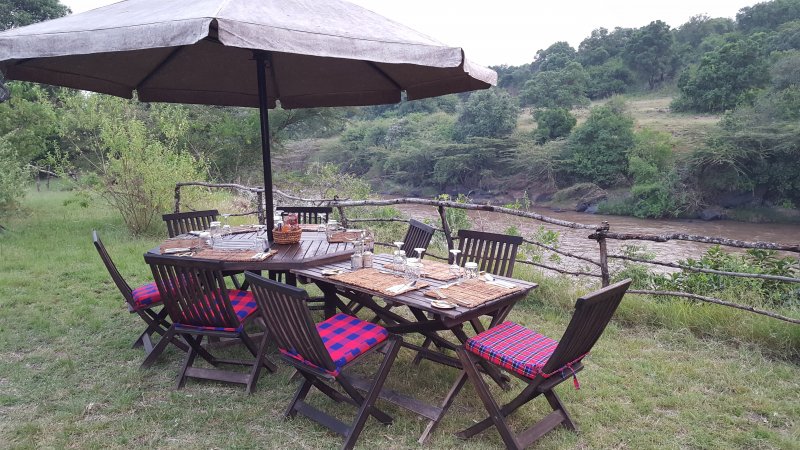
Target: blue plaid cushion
345,337
146,295
243,304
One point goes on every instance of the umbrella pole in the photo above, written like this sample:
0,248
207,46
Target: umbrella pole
263,108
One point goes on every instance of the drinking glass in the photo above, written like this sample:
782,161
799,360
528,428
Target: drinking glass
420,251
215,229
399,261
455,269
471,270
413,270
226,219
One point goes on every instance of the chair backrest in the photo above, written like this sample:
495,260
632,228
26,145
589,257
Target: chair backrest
122,285
182,223
193,291
494,253
308,214
418,236
592,314
285,310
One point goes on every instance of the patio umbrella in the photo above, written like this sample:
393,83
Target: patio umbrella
301,53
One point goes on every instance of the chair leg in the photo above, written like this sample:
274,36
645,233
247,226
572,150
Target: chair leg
159,348
448,401
372,394
260,361
194,343
299,396
556,404
260,351
491,406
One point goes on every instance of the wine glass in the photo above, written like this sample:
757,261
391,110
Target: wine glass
226,220
420,251
455,269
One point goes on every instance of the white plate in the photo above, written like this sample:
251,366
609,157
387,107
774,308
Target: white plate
441,304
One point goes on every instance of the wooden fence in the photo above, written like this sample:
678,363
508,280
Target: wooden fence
600,233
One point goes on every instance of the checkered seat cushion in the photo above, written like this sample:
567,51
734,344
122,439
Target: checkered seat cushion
515,348
145,296
243,304
345,337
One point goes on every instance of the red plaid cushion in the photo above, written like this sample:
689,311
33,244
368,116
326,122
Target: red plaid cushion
345,337
514,347
243,304
146,295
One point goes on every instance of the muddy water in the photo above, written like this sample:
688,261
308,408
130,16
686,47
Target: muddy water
575,241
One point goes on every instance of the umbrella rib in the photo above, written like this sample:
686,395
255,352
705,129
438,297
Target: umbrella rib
160,65
385,75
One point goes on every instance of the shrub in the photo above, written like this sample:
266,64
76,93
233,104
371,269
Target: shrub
12,178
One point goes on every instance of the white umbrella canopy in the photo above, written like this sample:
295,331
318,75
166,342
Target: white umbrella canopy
302,53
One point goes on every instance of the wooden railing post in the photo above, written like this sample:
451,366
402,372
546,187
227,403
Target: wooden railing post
260,207
600,235
177,198
446,229
342,216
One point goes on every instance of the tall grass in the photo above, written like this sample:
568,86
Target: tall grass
68,377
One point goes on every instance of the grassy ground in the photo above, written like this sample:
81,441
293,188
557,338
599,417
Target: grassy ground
68,377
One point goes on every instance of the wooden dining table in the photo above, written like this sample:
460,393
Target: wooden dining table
424,319
312,250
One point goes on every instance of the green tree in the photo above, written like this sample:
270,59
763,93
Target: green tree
552,123
601,46
607,79
767,16
599,147
12,178
557,88
787,37
491,113
28,122
18,13
725,77
555,57
649,51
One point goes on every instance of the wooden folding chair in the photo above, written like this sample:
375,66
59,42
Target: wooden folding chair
320,352
308,214
537,360
418,235
144,301
200,306
182,223
494,253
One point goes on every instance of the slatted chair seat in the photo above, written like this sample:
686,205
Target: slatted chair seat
142,301
321,352
201,306
346,338
534,358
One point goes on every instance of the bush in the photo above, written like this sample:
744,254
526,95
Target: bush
490,114
12,178
552,123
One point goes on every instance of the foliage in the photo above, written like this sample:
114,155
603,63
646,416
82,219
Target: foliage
552,123
767,15
137,162
542,163
599,147
556,57
786,37
28,121
649,51
457,218
725,77
601,46
12,178
611,77
563,88
693,37
759,292
18,13
490,113
327,181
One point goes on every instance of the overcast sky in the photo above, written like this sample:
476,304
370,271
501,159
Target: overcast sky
511,31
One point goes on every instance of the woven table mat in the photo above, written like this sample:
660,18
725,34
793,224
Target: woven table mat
184,242
231,255
241,229
344,236
311,226
472,293
430,269
376,281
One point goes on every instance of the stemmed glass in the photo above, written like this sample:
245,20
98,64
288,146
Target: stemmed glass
399,260
455,269
226,227
420,251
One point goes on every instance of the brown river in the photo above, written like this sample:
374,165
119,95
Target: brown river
575,241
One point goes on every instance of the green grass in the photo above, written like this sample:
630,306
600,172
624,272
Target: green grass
68,377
